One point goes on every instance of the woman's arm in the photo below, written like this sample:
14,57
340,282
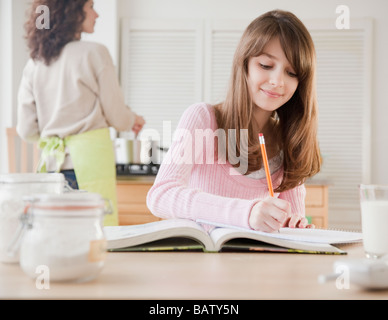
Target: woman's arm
116,112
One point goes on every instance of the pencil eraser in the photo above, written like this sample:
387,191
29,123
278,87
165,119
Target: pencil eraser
260,134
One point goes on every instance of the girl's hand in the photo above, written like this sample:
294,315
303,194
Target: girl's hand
138,125
270,214
298,222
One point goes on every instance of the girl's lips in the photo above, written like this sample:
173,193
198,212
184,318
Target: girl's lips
271,94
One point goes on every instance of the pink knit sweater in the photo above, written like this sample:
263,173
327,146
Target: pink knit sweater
189,186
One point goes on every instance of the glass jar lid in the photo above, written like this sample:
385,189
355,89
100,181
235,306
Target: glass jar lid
69,204
31,178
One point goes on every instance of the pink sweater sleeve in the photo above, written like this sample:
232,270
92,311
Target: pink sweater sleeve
296,197
172,197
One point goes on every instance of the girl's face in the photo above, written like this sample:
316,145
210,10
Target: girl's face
90,17
271,79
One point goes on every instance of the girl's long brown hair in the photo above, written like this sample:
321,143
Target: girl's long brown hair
66,18
296,120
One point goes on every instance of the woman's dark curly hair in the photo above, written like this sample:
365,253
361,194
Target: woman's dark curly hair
66,18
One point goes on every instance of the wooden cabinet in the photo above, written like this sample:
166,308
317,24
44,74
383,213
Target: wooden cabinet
317,205
132,207
131,202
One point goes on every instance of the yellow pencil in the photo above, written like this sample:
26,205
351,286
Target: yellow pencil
266,166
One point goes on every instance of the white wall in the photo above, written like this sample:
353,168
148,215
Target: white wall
12,58
5,71
107,27
305,10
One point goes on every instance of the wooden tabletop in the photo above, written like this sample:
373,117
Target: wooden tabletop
197,275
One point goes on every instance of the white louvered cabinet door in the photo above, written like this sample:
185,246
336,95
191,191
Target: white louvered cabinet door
161,70
343,88
221,40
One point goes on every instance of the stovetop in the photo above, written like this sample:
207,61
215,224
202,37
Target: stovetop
137,169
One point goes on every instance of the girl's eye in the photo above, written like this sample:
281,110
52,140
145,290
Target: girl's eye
265,67
292,75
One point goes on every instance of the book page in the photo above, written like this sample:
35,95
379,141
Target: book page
321,236
134,235
222,237
120,232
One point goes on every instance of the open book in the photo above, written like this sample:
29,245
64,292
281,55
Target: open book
182,234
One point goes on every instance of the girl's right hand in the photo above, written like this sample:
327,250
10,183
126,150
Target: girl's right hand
270,214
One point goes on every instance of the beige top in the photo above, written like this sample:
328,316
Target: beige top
77,93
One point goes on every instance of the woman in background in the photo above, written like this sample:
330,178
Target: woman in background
272,91
68,98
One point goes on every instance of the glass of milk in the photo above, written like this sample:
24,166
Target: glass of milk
374,219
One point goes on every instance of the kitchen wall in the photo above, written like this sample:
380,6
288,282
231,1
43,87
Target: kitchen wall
106,30
3,73
13,54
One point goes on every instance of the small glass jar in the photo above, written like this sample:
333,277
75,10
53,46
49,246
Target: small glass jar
13,188
65,236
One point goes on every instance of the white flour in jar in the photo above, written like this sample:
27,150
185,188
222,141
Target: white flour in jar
61,268
68,258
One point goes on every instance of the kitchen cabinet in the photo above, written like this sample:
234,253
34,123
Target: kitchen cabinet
131,202
131,196
317,204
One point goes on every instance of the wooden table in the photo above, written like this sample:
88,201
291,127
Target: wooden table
197,275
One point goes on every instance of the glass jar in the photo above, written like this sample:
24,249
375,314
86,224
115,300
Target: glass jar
13,188
64,235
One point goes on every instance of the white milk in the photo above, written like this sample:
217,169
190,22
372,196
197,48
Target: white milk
374,216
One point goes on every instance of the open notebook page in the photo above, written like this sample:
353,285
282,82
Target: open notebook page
304,235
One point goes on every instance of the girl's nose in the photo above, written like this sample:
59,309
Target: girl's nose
277,79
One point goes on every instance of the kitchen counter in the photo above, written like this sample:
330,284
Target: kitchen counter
135,179
318,181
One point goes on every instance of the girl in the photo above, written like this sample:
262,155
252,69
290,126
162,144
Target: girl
272,91
69,96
